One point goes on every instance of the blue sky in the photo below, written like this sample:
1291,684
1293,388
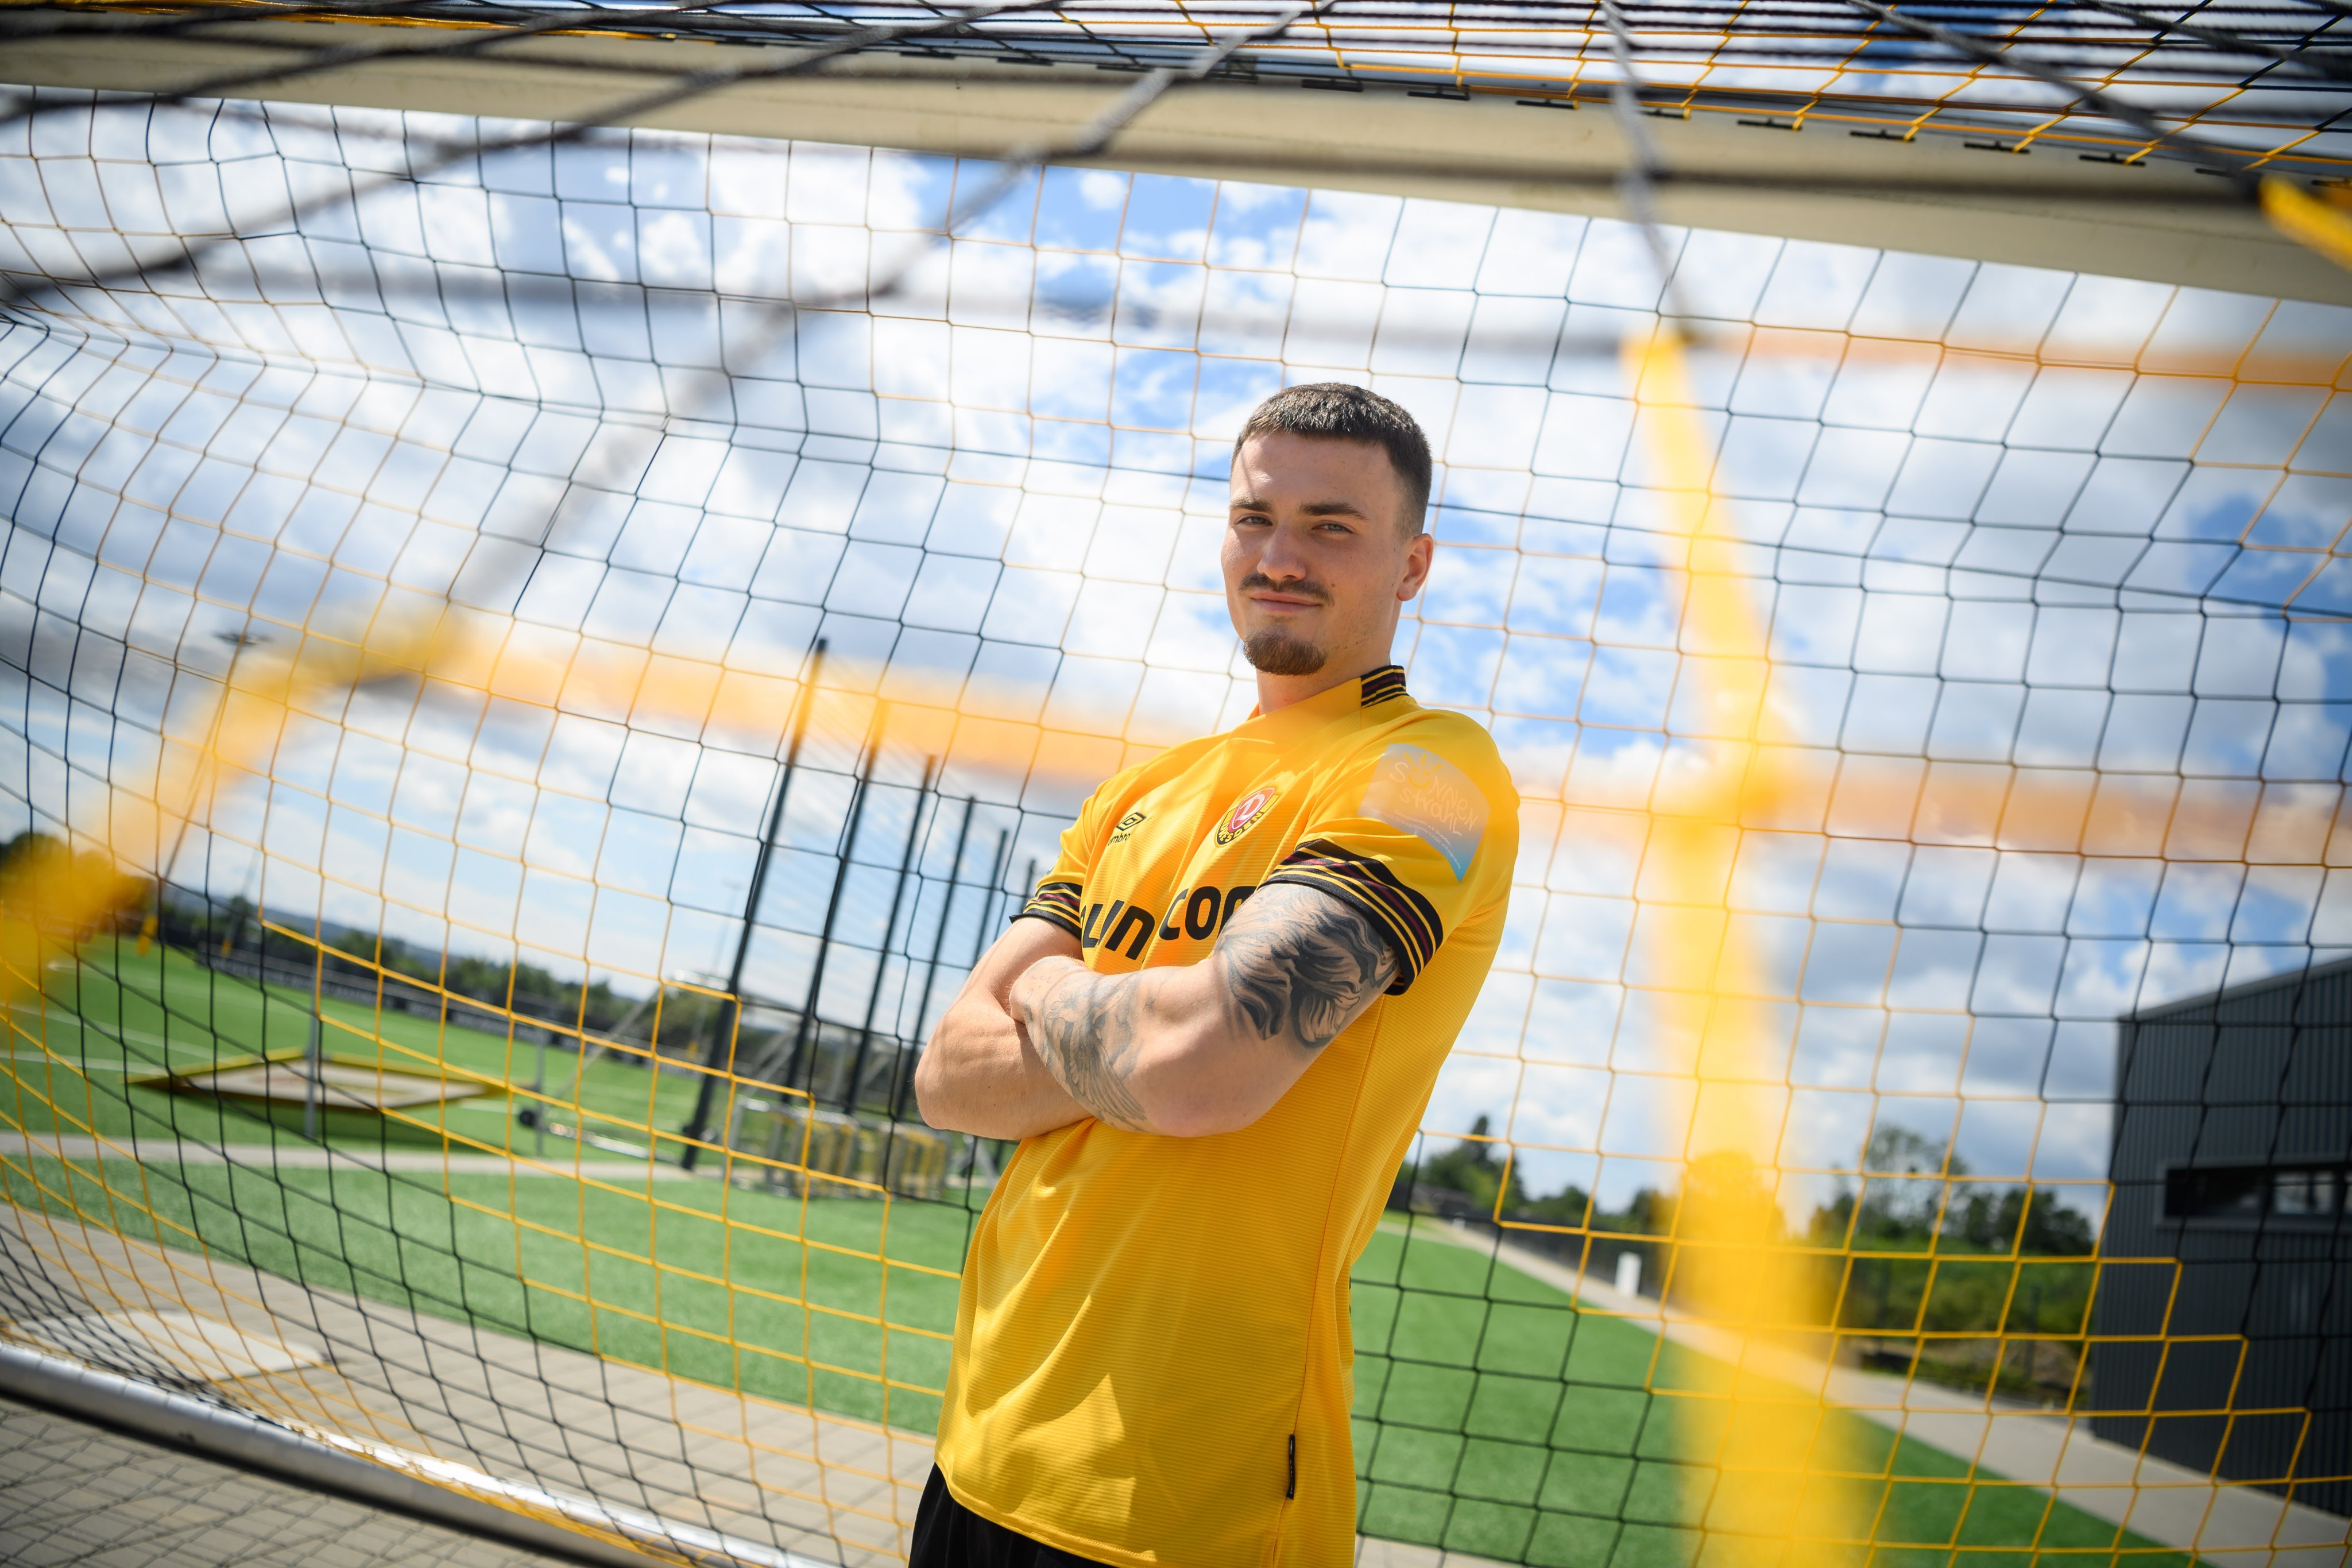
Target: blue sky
1992,516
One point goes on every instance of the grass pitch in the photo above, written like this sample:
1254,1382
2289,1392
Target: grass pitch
124,1014
1492,1416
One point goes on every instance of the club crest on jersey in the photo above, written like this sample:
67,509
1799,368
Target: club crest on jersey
1245,813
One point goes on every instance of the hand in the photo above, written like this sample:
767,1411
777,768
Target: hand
978,1074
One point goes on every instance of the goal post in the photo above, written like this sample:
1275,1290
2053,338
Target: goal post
549,649
1865,180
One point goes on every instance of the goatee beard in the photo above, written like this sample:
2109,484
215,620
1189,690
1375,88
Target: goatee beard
1277,653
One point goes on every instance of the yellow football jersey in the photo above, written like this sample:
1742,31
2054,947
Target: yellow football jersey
1152,1361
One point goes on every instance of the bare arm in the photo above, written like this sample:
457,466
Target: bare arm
978,1074
1208,1047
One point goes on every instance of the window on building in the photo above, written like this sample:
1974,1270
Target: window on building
2255,1193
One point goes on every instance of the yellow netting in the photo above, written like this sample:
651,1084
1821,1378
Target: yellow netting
1924,682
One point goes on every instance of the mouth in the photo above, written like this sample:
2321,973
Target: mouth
1276,599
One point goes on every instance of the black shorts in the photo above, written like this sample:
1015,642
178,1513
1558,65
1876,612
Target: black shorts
950,1535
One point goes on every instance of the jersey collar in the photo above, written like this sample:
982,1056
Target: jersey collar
1372,689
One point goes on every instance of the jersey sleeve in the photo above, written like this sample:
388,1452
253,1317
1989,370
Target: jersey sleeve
1418,835
1055,898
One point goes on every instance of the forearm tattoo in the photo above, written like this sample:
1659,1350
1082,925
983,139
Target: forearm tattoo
1298,965
1084,1030
1295,964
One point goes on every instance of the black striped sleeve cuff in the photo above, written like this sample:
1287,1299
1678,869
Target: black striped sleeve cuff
1398,913
1056,901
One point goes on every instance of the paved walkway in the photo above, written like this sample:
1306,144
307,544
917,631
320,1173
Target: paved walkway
73,1495
2054,1453
289,1155
779,1477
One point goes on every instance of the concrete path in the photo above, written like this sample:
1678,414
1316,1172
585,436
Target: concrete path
291,1155
2052,1453
76,1496
780,1477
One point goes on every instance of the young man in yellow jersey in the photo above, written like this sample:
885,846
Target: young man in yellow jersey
1214,1026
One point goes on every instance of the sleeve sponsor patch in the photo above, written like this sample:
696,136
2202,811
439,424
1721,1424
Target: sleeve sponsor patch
1430,797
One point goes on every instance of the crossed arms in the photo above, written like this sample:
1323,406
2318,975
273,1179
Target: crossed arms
1036,1040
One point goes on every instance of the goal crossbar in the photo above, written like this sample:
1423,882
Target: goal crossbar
2159,222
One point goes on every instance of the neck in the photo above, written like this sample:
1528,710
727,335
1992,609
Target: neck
1275,693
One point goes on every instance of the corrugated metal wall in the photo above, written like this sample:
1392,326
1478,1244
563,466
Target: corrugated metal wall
2257,1075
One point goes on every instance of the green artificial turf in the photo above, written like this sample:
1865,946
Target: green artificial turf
143,1011
1492,1418
700,1280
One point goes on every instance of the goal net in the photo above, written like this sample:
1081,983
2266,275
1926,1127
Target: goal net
528,688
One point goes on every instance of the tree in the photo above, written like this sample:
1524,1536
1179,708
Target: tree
1727,1195
1572,1204
530,991
1472,1171
1648,1212
2050,1228
1912,1187
69,896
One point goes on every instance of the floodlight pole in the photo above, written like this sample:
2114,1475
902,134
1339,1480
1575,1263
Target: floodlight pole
1017,896
810,1032
722,1043
939,945
882,959
998,865
313,1061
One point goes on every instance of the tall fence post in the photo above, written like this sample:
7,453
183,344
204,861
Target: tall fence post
803,1035
1014,896
882,959
938,945
313,1054
997,865
697,1131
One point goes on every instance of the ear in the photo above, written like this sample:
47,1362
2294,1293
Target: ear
1417,553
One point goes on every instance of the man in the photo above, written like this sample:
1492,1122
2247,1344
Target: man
1214,1028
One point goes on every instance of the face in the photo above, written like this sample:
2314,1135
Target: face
1317,556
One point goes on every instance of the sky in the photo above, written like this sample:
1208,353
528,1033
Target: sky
1994,517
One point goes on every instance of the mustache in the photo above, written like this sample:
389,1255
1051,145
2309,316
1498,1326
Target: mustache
1300,587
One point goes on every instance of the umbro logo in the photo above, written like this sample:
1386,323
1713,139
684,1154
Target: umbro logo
1128,824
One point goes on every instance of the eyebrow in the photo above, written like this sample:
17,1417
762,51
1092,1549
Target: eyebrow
1312,508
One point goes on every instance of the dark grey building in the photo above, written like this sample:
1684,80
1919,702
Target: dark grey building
2232,1157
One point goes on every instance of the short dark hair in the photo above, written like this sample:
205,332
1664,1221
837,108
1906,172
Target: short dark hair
1335,411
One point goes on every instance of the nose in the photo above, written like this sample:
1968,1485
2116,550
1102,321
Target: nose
1281,559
